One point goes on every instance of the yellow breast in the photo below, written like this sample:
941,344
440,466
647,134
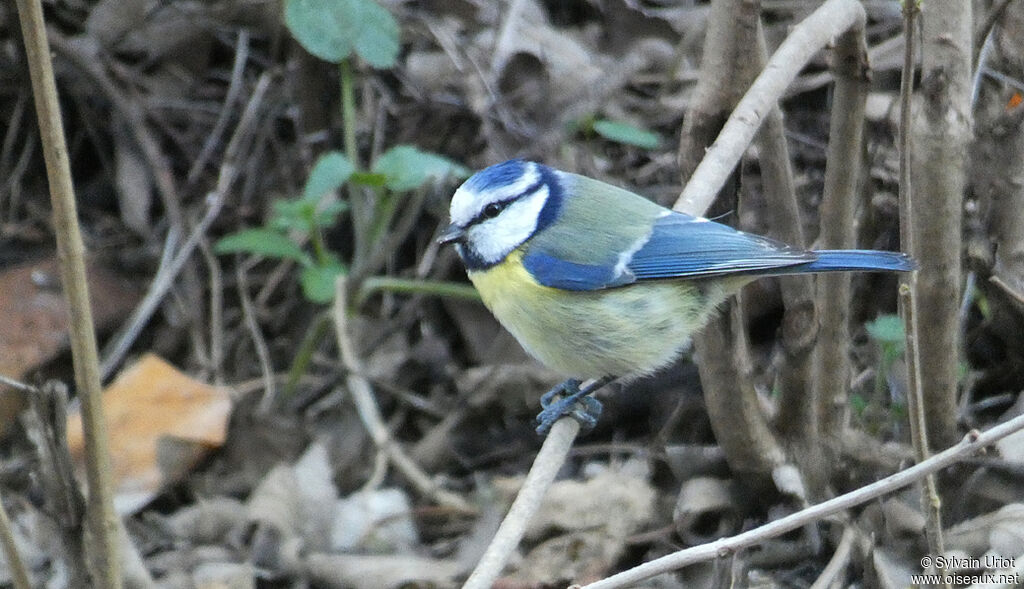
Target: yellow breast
623,331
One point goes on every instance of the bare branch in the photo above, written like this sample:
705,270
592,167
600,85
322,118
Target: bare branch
973,442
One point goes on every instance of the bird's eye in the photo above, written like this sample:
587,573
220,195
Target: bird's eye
492,210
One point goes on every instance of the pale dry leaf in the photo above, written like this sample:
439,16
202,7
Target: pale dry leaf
378,520
997,530
890,571
134,185
705,510
347,571
224,575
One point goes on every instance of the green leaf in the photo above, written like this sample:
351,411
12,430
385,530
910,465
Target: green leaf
369,179
982,301
333,29
261,242
858,403
626,133
330,171
407,168
886,329
318,281
327,214
293,215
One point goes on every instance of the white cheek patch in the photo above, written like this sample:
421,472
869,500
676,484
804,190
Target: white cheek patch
496,238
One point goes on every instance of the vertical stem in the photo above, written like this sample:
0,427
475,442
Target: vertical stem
941,131
910,12
796,418
316,237
304,356
357,197
71,253
930,502
348,111
841,195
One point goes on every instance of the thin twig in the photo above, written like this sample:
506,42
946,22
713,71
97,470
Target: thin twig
362,395
165,279
224,117
980,67
14,180
132,116
547,464
71,253
456,290
7,172
46,428
1009,290
18,385
830,20
216,359
258,341
15,565
839,561
989,23
118,345
931,502
971,443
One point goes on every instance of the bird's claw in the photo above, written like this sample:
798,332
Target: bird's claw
575,403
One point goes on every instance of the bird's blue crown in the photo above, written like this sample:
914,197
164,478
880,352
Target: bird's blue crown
496,176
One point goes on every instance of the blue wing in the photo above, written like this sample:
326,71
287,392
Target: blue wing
678,246
681,246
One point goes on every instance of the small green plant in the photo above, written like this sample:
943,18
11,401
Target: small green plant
295,223
619,132
334,30
887,331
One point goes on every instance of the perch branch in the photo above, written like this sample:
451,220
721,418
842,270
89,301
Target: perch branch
545,466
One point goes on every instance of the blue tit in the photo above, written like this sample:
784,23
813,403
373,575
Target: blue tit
598,282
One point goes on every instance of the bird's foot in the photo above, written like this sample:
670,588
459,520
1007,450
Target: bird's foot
568,399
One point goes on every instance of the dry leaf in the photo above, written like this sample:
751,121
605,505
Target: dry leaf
35,326
149,401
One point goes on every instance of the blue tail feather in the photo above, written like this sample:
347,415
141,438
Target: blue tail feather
857,260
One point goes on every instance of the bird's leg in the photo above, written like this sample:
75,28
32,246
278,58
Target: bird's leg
574,402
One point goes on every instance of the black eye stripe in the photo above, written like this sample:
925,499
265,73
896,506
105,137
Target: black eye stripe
483,215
